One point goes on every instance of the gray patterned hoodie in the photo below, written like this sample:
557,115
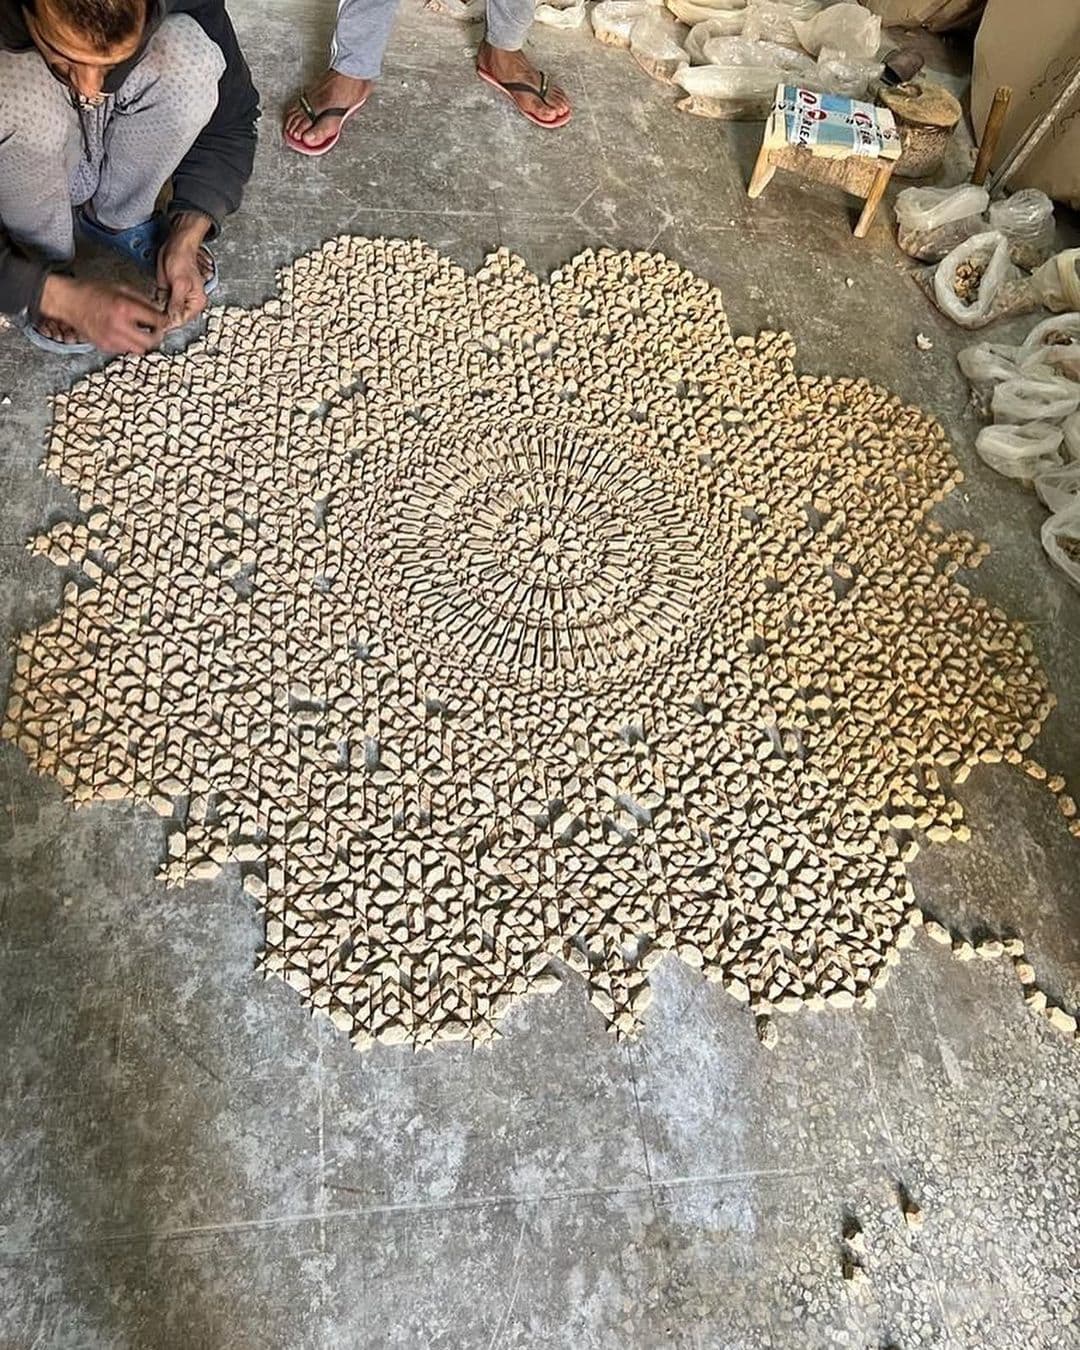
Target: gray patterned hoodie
212,175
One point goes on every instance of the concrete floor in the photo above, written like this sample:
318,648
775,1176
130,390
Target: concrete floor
188,1161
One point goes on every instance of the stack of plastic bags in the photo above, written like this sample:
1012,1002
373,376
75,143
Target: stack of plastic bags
1032,392
734,70
728,56
737,78
985,252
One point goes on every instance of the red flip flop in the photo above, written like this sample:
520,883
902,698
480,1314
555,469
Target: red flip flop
314,118
512,87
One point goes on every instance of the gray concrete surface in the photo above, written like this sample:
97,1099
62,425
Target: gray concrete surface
187,1161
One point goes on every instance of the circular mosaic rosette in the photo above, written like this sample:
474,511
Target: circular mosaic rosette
495,624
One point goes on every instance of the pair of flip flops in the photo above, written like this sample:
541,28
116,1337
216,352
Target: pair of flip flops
140,244
510,88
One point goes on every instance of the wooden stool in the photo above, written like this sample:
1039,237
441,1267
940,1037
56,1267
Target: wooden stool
816,135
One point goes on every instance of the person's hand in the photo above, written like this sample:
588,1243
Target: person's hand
183,267
114,318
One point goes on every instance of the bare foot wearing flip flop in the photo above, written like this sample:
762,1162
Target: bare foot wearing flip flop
114,318
320,127
58,332
540,102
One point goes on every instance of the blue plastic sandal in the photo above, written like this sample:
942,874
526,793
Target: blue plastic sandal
48,344
140,243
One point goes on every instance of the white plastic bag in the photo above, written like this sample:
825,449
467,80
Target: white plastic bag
1020,451
1061,361
1035,398
713,28
1059,489
465,11
986,365
728,17
933,221
1061,539
613,20
1070,429
922,208
1026,219
1063,330
557,15
656,44
968,279
732,93
849,30
1053,348
740,78
1057,281
850,77
772,56
774,20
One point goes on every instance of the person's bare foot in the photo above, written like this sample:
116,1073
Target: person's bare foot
332,91
57,331
516,68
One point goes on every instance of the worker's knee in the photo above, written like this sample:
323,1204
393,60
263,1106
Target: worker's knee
178,74
36,119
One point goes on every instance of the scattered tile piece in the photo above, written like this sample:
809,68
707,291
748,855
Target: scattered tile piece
852,1270
1061,1020
913,1215
853,1235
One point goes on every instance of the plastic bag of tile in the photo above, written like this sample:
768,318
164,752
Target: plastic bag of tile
1023,451
848,30
933,221
1026,219
774,20
988,363
556,15
613,20
708,31
1035,398
729,93
850,78
928,208
967,280
1057,282
1055,344
739,82
726,18
656,44
465,11
1061,539
1059,489
1063,361
1070,430
738,53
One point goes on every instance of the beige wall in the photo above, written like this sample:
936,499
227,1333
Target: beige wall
935,14
1032,45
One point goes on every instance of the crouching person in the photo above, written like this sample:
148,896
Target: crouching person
102,103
